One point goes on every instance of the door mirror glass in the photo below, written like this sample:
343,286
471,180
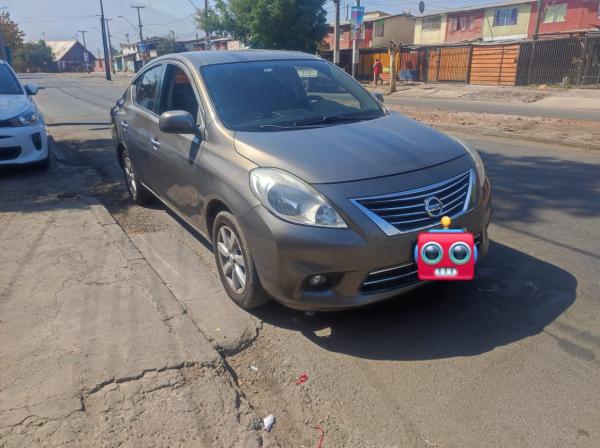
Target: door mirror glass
177,122
31,89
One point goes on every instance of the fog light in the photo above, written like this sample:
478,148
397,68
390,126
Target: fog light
317,280
37,140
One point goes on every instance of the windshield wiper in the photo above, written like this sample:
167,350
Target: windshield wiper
335,119
294,126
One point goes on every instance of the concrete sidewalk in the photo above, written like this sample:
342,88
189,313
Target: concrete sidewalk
95,349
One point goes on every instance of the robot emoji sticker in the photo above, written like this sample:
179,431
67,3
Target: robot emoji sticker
446,254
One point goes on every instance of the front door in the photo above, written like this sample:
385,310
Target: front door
178,153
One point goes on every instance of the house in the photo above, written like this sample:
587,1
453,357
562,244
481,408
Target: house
346,36
566,17
465,25
71,56
430,29
507,21
398,27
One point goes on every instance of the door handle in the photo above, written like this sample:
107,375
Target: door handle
155,143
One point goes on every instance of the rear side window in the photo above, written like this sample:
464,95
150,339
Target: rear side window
178,92
147,88
8,82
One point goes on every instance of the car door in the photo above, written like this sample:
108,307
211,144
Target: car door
179,153
140,113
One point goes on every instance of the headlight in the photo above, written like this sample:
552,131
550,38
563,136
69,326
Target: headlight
27,118
476,160
293,200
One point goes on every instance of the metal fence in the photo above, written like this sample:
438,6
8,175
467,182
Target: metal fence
571,61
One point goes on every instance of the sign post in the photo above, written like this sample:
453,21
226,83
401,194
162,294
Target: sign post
358,16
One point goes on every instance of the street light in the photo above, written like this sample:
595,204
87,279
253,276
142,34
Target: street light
127,20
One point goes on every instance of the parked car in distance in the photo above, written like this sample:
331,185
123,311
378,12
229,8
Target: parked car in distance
23,136
310,190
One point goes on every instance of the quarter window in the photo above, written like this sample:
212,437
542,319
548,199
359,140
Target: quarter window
555,13
506,16
178,92
146,88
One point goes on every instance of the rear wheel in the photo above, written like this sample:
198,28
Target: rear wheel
234,263
137,191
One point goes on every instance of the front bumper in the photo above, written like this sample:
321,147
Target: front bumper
23,145
286,255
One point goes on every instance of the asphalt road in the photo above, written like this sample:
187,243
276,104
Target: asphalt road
511,359
497,107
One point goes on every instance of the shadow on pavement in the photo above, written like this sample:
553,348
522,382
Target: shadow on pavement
513,297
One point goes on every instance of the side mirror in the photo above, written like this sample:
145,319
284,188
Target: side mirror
379,96
177,122
31,89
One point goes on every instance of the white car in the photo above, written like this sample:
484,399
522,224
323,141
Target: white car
23,135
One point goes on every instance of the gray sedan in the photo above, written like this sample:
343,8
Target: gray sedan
310,190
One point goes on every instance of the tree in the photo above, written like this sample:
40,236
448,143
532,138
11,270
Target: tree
393,50
13,36
33,57
274,24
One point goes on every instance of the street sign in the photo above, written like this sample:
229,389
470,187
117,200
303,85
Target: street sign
358,16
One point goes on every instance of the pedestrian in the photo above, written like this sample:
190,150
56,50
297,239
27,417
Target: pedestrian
377,69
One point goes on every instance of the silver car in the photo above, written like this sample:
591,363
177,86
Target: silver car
310,190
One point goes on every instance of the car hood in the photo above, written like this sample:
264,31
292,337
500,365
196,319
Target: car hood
13,105
393,144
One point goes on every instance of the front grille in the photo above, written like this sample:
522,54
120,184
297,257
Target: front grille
396,276
10,153
406,211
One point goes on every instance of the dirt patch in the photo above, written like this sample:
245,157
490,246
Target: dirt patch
581,134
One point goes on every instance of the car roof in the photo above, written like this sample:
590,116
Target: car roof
203,58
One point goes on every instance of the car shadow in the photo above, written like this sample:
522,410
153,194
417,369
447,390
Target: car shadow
514,296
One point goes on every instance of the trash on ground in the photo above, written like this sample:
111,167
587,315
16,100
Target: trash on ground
268,422
321,438
254,368
303,378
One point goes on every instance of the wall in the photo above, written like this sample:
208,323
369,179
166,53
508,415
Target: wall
398,28
518,31
464,35
345,38
581,15
425,37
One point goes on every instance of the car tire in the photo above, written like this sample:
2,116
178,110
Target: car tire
137,191
234,261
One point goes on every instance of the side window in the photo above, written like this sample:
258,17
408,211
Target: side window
178,92
146,88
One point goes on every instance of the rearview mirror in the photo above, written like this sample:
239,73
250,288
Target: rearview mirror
379,96
31,89
177,122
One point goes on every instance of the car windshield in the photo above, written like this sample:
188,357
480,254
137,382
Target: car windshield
286,95
8,82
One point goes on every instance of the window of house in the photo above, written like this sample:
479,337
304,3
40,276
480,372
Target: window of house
461,23
146,88
178,92
555,13
432,23
379,28
506,16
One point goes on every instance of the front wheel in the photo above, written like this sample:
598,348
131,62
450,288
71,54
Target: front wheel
137,191
234,263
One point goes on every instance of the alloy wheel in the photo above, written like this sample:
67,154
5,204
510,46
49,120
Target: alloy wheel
130,176
231,259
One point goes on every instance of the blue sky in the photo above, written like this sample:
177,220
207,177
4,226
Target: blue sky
62,19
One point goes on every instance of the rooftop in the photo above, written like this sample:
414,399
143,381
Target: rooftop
202,58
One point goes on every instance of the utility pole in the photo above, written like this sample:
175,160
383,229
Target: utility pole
104,43
206,36
172,35
336,34
538,19
85,55
139,21
355,46
127,37
110,52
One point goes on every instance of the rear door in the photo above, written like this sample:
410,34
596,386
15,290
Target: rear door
140,115
178,154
